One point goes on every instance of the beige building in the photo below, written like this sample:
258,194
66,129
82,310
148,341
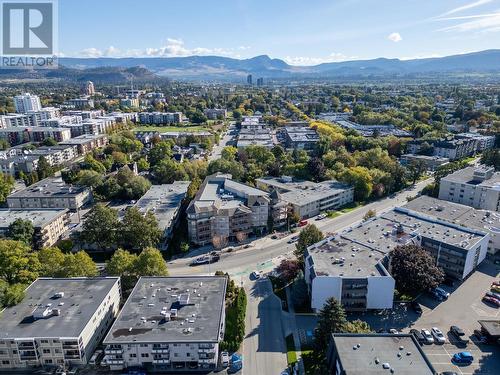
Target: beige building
49,225
477,187
50,192
224,208
59,322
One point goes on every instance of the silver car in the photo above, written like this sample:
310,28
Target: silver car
438,336
427,336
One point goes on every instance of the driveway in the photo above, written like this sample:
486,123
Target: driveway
264,345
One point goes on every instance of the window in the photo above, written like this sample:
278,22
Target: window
188,354
144,345
46,351
44,341
133,355
144,355
5,362
48,361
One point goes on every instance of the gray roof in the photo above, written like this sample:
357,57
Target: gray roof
335,256
385,348
303,192
466,176
142,320
163,201
82,297
39,218
82,139
49,187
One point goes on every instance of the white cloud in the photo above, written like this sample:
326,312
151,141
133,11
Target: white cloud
306,60
171,48
395,37
467,6
484,23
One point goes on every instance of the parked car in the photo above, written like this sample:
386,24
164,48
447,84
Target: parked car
449,281
491,300
463,358
224,359
394,331
96,357
493,295
438,335
418,336
200,260
442,292
449,373
255,275
436,295
427,336
457,331
293,239
321,217
303,223
416,307
495,288
480,336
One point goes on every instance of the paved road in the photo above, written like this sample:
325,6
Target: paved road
265,253
264,345
228,137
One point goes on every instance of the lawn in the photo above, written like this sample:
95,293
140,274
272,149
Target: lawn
291,354
163,129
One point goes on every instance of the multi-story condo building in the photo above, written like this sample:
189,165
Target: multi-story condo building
164,201
160,118
298,136
18,135
308,198
169,324
59,322
455,149
51,192
482,220
87,142
30,118
86,115
374,353
14,120
49,225
13,165
215,113
124,116
27,102
80,103
431,163
223,208
354,266
483,142
62,121
89,88
478,187
129,102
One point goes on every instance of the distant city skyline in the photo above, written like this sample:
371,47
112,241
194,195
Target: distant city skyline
300,33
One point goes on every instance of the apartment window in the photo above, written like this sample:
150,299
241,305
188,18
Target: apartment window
144,355
133,355
188,354
5,362
143,345
176,354
44,341
46,351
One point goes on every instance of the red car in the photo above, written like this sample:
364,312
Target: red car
491,300
302,223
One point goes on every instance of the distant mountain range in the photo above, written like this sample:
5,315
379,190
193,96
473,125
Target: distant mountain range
230,69
216,67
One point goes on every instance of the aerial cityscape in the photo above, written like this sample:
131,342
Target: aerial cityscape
280,188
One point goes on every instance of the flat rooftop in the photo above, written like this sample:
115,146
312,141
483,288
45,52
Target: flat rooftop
401,352
467,176
39,218
199,301
163,201
52,186
459,214
82,297
82,139
303,192
401,225
335,256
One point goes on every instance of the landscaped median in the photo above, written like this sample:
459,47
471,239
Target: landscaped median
236,306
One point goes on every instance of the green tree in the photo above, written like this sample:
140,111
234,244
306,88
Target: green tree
90,163
89,178
229,153
51,260
360,178
122,264
357,326
150,262
49,142
193,188
142,165
369,214
44,169
139,231
18,264
233,167
161,151
331,319
13,294
167,171
79,264
6,186
307,237
100,227
414,269
21,230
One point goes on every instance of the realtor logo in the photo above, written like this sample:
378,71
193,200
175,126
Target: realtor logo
28,34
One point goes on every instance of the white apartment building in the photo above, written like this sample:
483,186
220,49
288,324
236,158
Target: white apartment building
308,198
160,118
169,324
27,102
483,142
478,187
59,322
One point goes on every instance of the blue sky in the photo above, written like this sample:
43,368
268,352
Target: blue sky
302,32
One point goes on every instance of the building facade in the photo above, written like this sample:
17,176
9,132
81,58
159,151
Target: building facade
59,322
27,102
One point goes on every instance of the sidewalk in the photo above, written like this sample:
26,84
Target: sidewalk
291,328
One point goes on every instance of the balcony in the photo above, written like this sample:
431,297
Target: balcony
161,361
113,351
160,350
